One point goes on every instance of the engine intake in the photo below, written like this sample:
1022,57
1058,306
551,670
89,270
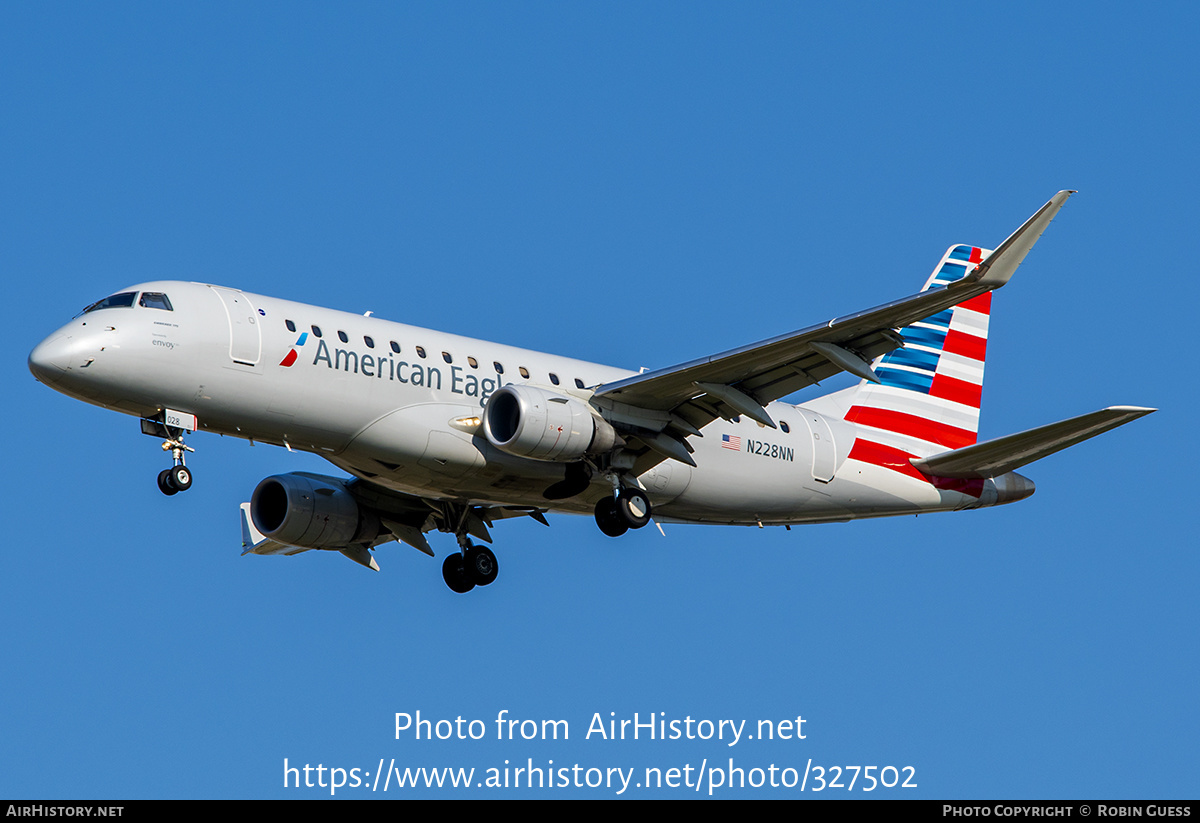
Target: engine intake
310,511
531,422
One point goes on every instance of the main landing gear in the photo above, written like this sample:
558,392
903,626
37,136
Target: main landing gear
471,565
474,566
627,509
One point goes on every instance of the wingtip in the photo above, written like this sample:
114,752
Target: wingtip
1138,411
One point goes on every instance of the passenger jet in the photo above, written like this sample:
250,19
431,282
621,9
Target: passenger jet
447,433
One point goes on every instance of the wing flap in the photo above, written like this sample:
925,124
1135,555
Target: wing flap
361,555
1004,454
410,535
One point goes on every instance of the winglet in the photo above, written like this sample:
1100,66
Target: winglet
1000,264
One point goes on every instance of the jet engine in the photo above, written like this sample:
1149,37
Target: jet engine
311,511
531,422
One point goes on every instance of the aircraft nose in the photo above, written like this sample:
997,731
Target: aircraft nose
50,359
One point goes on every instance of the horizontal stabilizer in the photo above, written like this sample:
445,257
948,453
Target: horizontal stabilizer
1004,454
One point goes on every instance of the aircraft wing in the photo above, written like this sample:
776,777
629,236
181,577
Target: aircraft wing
690,395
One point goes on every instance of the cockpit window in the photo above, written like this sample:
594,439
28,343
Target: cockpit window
155,300
124,300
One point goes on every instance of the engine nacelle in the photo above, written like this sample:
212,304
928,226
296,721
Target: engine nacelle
310,511
531,422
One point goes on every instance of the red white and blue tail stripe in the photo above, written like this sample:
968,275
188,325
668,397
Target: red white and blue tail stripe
927,400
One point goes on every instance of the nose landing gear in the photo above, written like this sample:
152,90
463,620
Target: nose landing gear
178,478
171,425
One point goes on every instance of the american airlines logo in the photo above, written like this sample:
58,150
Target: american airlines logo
292,354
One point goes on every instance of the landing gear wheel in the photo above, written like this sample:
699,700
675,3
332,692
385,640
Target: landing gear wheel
481,565
454,572
181,478
608,519
634,508
164,483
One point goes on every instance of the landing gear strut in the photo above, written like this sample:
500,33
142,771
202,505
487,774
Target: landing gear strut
629,509
178,478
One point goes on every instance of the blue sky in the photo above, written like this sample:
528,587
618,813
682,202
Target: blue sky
636,184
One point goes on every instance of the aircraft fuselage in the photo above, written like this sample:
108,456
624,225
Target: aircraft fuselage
398,405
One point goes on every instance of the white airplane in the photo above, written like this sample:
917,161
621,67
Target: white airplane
449,433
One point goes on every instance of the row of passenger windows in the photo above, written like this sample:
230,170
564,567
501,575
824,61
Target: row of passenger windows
395,347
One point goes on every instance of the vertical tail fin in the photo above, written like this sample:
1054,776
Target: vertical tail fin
929,394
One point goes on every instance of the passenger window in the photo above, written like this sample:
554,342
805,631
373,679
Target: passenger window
370,343
342,336
446,357
524,372
290,325
395,346
316,331
498,367
554,378
578,383
474,363
155,300
421,352
783,425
